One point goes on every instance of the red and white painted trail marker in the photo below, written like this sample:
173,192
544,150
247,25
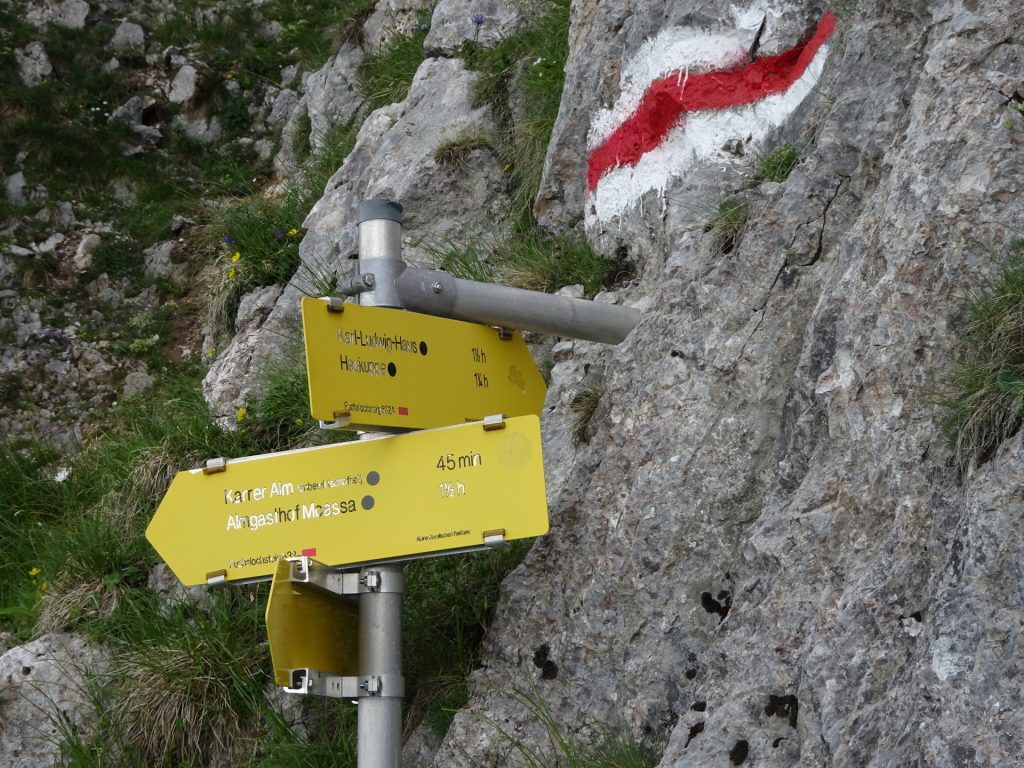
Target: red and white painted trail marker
684,95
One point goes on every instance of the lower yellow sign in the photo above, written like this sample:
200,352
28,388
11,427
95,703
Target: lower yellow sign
354,503
307,627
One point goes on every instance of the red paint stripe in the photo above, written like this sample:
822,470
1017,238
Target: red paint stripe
311,552
667,100
403,411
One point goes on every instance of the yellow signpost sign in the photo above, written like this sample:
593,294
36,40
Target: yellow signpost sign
371,367
308,627
390,498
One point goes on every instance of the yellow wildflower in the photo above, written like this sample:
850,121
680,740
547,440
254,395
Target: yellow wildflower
211,352
292,232
34,572
44,586
231,273
240,415
300,422
236,257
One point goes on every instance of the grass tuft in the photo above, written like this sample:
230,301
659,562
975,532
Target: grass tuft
448,607
778,164
584,405
386,74
615,750
727,223
533,259
984,401
192,691
454,152
521,79
259,235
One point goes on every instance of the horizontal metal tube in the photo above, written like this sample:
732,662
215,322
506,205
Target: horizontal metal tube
433,292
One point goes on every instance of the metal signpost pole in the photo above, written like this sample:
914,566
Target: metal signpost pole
434,292
379,742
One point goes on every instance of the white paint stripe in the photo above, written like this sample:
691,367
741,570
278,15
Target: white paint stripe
700,139
673,49
676,48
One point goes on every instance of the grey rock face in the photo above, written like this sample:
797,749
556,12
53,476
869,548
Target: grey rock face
482,21
200,126
33,64
49,245
70,14
41,688
332,96
234,375
393,157
129,37
84,250
183,86
15,189
763,555
136,382
157,259
390,19
130,112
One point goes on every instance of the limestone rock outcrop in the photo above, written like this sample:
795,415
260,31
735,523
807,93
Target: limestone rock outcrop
43,695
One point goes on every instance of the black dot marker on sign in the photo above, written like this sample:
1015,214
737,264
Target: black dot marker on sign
423,348
373,477
391,369
367,502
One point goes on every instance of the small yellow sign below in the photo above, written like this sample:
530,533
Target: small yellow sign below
375,367
354,503
307,627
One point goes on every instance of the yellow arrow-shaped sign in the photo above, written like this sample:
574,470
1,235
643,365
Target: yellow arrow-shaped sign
353,503
375,367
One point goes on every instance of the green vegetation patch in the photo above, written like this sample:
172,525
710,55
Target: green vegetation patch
386,74
253,41
984,402
456,150
584,405
521,78
533,259
778,164
259,235
447,609
727,223
614,750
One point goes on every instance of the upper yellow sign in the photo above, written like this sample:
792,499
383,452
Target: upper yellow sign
375,367
352,503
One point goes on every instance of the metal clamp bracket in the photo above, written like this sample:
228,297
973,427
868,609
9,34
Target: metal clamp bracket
341,420
495,539
357,284
494,422
306,680
213,466
307,571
